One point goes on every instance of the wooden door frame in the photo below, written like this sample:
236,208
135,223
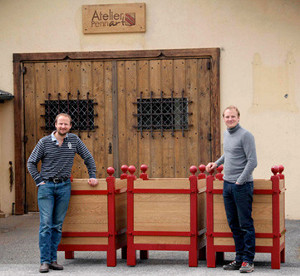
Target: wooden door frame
18,70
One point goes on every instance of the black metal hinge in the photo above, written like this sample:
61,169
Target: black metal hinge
24,70
208,65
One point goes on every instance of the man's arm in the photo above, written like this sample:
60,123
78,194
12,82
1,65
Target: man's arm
33,160
250,152
88,161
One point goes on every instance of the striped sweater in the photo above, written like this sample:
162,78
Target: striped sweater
57,161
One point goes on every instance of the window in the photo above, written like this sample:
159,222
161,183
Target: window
81,112
164,114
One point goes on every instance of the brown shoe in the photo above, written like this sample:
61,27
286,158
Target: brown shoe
56,266
44,268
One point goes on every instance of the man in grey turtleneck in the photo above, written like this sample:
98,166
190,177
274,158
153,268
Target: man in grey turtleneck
239,161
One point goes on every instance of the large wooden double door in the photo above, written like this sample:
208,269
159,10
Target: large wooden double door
134,118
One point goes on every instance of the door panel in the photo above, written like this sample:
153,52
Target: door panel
63,80
165,154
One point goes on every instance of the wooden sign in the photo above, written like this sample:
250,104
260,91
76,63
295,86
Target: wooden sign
117,18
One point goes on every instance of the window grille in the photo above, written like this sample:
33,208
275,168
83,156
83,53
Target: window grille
80,110
164,114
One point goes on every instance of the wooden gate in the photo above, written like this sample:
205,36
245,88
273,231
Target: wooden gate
158,109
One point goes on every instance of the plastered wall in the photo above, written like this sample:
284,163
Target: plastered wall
260,55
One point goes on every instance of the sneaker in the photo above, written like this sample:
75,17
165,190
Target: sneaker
232,266
247,267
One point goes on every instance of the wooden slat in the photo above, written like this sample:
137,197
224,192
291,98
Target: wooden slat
99,148
156,164
86,86
161,240
131,96
168,141
143,83
193,135
40,91
30,130
85,241
108,126
122,119
82,184
204,118
163,183
180,144
121,211
74,86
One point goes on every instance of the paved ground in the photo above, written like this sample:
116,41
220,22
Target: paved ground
19,255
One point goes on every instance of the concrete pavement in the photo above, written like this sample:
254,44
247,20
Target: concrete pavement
19,255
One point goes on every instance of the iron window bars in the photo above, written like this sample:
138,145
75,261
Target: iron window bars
80,110
164,114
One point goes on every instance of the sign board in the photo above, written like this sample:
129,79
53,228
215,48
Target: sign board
115,18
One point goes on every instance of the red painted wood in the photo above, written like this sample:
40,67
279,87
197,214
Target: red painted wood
111,251
131,252
193,252
210,251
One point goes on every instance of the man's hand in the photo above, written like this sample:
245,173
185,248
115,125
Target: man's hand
93,182
211,166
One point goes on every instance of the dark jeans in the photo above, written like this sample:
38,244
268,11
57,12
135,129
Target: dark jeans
238,205
53,201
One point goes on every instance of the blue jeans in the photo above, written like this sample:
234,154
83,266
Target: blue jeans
53,201
238,205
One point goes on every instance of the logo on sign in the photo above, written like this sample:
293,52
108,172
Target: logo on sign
130,19
111,19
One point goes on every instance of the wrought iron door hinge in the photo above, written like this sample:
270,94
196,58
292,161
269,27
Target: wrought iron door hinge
209,137
24,70
25,139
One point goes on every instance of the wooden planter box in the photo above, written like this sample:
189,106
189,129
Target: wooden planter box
165,214
96,218
268,212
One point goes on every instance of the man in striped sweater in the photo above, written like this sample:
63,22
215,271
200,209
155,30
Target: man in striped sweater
57,152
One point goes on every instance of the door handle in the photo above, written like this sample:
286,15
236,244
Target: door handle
109,148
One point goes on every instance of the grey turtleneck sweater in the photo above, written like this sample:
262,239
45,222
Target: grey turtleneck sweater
239,156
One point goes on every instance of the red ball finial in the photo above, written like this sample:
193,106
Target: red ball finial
110,171
131,169
280,168
124,168
202,168
144,168
220,168
193,170
275,170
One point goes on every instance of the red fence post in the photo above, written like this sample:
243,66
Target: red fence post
193,252
210,252
144,254
131,252
275,254
111,251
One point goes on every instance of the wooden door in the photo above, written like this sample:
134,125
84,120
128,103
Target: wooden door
167,151
116,88
69,82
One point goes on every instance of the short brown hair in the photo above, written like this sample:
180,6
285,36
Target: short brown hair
65,115
232,107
